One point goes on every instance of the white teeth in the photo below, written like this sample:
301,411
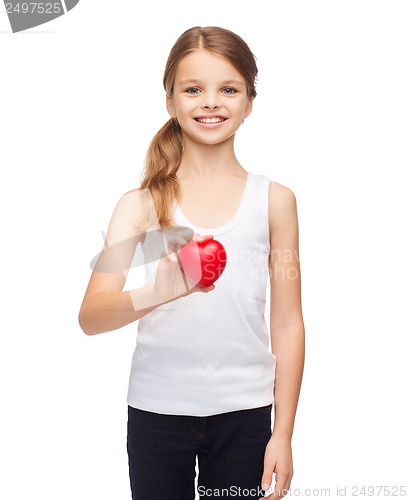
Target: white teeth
210,120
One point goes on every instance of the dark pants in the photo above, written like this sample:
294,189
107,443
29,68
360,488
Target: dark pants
230,447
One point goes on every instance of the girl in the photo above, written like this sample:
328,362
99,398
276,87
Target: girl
203,381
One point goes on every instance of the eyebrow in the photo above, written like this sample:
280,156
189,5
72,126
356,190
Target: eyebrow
225,82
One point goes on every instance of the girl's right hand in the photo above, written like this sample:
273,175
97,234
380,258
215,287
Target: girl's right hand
171,282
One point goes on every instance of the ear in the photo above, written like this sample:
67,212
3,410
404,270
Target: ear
248,107
170,106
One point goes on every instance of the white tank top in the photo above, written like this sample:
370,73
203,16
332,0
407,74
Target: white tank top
208,353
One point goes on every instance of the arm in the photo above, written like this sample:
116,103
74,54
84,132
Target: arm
287,332
105,306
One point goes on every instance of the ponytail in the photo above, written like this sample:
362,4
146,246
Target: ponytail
162,161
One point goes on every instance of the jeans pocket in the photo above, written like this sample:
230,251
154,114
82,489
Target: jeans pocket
264,409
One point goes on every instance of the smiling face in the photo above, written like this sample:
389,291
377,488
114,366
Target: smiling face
209,98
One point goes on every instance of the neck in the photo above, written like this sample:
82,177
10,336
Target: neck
207,161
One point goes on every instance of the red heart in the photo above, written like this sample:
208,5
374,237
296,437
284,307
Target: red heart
203,262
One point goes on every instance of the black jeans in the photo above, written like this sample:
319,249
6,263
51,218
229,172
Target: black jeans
162,451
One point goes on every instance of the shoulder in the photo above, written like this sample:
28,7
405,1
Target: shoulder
280,196
133,193
282,204
137,206
129,200
137,197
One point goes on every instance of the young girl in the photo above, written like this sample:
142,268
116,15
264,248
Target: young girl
203,380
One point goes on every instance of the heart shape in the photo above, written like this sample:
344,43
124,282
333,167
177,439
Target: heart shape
203,262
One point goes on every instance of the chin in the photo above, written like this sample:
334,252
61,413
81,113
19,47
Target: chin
209,141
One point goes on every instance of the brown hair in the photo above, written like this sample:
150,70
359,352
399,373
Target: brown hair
164,154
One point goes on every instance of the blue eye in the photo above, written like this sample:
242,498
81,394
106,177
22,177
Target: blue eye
231,89
192,88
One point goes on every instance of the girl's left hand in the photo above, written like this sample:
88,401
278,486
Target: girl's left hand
278,460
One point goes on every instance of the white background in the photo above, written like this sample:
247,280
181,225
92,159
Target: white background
81,97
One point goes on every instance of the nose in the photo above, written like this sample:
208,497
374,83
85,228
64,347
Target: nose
212,106
211,101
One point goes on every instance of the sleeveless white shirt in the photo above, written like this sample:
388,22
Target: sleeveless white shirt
208,353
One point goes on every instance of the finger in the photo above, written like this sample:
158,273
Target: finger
200,237
286,485
175,243
267,475
268,490
170,255
281,486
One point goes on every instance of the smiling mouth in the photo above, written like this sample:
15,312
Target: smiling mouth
217,119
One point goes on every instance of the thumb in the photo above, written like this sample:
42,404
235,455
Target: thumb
266,481
169,254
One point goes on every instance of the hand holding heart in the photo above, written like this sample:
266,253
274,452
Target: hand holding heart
172,281
203,262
